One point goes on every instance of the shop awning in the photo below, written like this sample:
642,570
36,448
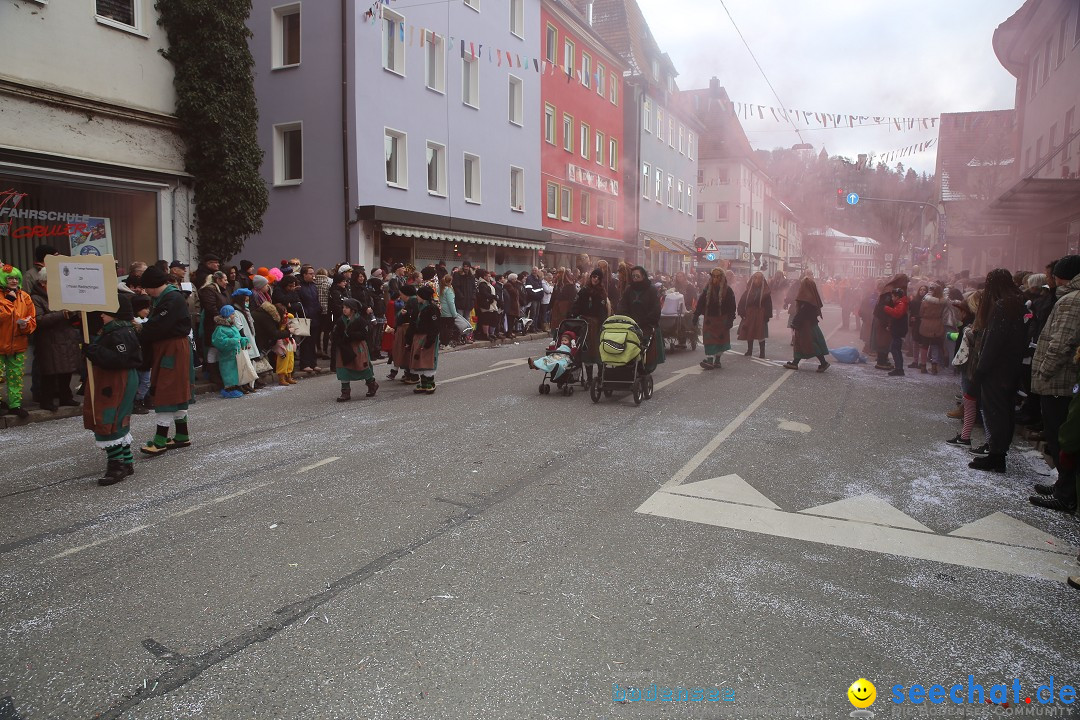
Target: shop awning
445,236
1042,200
669,244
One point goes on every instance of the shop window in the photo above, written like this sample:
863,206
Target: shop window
288,154
285,39
393,42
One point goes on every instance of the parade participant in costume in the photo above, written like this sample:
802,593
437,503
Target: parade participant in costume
717,304
424,344
807,338
18,320
401,355
349,351
593,306
755,311
56,348
228,341
167,350
641,302
114,357
561,355
212,297
285,348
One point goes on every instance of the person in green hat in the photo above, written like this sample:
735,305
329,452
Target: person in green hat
349,352
18,320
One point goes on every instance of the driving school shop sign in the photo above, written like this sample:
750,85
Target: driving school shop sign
85,234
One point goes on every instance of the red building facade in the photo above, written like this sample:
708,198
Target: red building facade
582,154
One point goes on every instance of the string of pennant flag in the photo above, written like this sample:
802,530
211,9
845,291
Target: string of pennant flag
889,156
749,111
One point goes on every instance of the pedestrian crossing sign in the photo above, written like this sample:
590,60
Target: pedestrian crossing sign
711,247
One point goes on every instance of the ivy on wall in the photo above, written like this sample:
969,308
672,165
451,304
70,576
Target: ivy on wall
218,115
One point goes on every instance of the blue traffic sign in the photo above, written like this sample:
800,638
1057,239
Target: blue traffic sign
710,257
852,198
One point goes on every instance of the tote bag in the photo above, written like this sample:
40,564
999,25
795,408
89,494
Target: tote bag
245,371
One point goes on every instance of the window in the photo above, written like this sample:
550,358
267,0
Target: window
660,124
682,140
393,42
474,4
724,178
647,115
552,201
515,95
551,44
586,138
517,189
689,197
436,169
700,176
435,63
288,154
599,148
285,40
585,215
658,185
568,57
1034,75
611,215
1048,57
700,212
670,131
613,89
566,196
613,153
472,178
656,69
601,207
646,173
690,145
586,70
670,191
470,81
1068,131
1063,34
121,13
679,197
397,167
517,17
567,133
601,79
549,124
1038,149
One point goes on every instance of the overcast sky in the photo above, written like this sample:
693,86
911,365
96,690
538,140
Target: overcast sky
912,58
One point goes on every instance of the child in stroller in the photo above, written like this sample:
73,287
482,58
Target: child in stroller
561,364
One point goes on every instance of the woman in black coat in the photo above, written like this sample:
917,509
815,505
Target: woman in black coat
1000,357
641,302
592,306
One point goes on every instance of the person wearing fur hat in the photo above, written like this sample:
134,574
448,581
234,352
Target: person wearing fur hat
402,352
717,306
18,320
228,341
115,355
349,353
807,339
167,350
424,343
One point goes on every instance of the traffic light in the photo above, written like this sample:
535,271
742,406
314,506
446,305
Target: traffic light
699,248
840,195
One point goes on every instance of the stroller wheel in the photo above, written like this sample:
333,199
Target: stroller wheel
639,391
594,391
568,389
647,390
545,388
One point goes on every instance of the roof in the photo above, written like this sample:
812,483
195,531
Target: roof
572,10
623,26
837,235
724,136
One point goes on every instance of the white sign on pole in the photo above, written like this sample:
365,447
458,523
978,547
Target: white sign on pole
86,283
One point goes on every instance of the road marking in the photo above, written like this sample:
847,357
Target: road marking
793,426
501,365
327,461
679,375
1002,528
1052,561
731,427
867,508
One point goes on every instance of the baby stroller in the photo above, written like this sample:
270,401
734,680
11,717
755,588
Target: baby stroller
677,331
464,331
573,375
623,347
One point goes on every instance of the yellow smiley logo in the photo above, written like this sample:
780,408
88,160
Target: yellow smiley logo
862,693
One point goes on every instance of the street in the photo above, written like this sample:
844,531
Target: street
489,552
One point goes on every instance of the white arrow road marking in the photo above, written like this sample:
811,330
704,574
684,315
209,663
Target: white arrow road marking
793,426
1002,528
730,488
1052,562
501,365
867,508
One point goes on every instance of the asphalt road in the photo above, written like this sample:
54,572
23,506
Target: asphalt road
488,552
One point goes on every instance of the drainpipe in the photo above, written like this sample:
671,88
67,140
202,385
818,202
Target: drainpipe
345,129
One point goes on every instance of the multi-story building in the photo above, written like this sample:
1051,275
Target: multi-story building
90,156
975,164
831,253
414,138
659,177
582,149
1040,45
736,209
